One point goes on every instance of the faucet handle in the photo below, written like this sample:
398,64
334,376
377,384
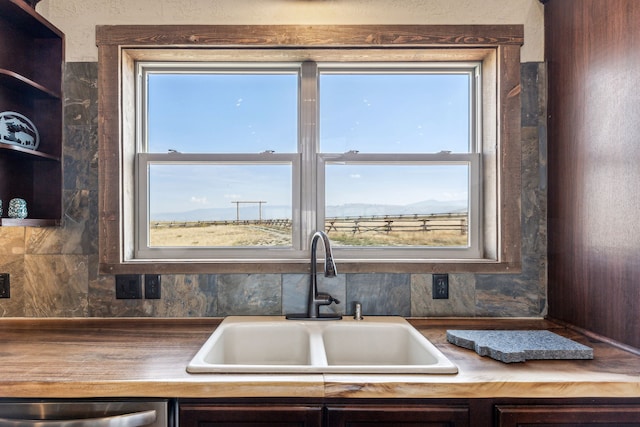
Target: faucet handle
323,298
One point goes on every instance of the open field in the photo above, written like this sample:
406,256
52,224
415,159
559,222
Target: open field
408,230
219,235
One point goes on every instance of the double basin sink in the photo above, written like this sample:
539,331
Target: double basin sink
272,344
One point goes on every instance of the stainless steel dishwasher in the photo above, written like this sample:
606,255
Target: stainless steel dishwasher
86,413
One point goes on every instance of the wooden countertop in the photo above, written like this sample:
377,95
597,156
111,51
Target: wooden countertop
49,358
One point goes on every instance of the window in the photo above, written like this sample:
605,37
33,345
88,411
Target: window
232,158
391,160
399,166
218,164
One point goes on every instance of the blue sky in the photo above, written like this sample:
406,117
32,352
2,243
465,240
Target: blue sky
392,113
223,113
251,113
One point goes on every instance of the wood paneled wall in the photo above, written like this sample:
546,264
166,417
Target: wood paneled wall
593,55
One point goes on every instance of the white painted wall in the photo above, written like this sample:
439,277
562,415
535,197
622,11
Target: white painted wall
78,18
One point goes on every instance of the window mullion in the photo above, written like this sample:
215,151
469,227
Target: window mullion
308,147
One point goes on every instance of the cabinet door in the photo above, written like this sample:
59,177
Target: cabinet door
397,416
568,416
205,415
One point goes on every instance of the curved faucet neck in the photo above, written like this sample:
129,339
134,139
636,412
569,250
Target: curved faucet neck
329,271
329,264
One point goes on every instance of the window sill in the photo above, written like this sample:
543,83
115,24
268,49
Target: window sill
302,266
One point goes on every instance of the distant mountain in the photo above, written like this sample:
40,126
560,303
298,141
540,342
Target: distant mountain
225,214
251,212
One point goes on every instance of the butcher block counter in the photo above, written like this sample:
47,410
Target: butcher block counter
70,358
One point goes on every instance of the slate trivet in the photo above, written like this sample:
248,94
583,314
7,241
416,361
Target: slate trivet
518,346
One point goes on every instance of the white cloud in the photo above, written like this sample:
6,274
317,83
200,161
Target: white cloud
199,200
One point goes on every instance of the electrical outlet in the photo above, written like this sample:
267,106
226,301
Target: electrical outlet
152,288
440,285
128,286
5,289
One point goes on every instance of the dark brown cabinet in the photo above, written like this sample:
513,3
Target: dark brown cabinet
410,413
397,416
241,415
317,415
31,63
568,416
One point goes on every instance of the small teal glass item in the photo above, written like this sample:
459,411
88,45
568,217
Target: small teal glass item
17,208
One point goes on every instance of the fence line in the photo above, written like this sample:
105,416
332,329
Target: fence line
353,224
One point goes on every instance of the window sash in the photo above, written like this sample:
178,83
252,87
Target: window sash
143,251
146,68
472,160
473,69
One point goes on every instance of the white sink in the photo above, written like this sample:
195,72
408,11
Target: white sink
377,344
270,344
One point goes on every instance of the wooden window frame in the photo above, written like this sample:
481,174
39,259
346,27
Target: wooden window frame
119,47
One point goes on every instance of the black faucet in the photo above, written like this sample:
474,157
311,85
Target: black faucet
316,299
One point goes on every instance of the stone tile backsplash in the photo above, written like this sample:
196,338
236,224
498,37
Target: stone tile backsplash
54,271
